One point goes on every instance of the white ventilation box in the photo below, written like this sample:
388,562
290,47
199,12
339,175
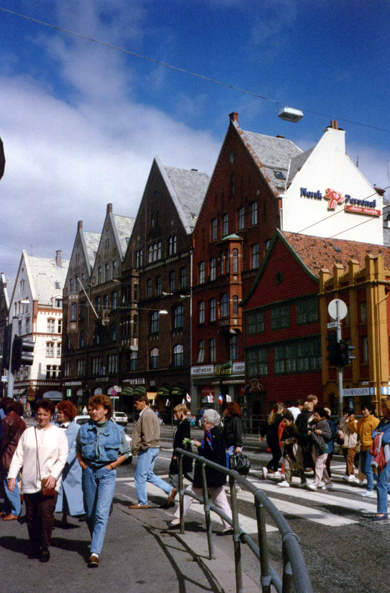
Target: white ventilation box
290,114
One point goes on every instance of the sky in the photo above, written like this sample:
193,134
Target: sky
81,123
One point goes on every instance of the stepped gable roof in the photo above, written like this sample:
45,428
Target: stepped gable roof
188,189
274,154
91,245
297,163
318,252
123,226
47,279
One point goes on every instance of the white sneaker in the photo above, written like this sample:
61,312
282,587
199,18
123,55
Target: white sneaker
303,484
369,493
284,484
277,474
312,487
327,487
265,472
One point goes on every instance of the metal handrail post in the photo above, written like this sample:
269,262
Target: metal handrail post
207,512
288,578
181,495
265,574
236,535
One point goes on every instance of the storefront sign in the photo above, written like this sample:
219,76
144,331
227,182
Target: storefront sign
72,383
335,198
139,381
239,367
359,391
222,370
204,370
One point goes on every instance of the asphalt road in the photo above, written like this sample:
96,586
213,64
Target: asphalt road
346,552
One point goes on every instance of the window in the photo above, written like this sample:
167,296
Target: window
113,332
280,317
201,351
114,270
158,285
202,310
227,259
149,288
235,305
155,252
51,326
96,365
134,361
114,299
153,358
77,283
178,356
256,324
363,312
135,292
223,264
183,277
67,369
28,326
253,213
98,303
225,306
105,302
99,275
172,281
202,272
178,317
71,285
106,272
50,349
112,363
365,349
214,229
241,218
307,311
74,312
213,310
139,258
172,245
235,261
53,371
213,349
233,347
154,322
135,325
59,349
298,357
150,254
81,368
83,279
255,256
81,342
225,225
213,268
257,362
58,303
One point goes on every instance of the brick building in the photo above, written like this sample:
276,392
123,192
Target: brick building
6,289
160,254
286,316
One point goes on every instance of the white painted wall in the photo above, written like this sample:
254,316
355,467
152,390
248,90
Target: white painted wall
329,167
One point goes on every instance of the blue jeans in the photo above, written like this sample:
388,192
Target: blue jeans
98,488
365,465
382,488
12,502
144,473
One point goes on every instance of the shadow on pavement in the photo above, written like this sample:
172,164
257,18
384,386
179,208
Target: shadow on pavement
15,544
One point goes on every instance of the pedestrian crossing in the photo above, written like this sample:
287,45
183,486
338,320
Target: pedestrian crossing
315,507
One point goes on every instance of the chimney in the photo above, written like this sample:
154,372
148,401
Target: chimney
233,116
280,136
334,124
80,225
59,259
109,208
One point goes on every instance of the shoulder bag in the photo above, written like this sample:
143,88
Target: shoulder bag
239,462
46,492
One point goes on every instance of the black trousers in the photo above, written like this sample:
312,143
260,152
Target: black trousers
40,519
273,464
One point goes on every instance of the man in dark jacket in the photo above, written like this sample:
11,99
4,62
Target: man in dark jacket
13,428
320,434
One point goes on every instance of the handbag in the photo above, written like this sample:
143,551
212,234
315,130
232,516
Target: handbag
240,463
46,492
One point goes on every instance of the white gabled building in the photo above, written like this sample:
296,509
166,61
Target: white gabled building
36,314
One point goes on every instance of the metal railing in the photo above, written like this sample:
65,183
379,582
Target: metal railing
295,576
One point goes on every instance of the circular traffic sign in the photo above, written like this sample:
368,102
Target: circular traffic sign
337,309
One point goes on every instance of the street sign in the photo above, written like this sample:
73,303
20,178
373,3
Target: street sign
332,325
337,309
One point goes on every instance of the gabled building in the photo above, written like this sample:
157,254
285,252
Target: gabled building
158,301
286,317
92,361
36,313
76,312
6,289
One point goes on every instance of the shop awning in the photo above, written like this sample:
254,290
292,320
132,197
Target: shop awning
128,391
140,390
151,395
179,391
164,391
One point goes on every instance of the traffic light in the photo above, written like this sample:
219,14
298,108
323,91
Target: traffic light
345,353
7,346
333,349
22,353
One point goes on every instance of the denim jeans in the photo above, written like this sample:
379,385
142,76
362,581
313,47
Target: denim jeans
144,473
12,499
98,488
382,488
365,466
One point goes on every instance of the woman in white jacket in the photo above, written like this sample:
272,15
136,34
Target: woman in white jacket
41,453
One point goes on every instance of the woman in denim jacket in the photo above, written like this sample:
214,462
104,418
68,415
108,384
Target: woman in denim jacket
101,447
383,428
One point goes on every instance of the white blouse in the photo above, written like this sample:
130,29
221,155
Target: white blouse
52,450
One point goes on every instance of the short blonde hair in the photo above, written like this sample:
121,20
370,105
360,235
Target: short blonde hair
180,408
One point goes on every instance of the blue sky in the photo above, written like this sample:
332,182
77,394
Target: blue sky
81,123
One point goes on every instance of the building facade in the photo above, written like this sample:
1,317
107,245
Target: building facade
6,290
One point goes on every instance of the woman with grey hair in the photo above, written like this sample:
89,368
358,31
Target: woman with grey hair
213,448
